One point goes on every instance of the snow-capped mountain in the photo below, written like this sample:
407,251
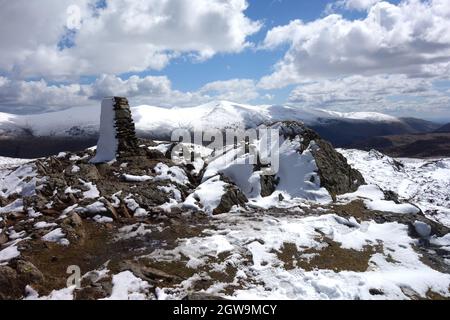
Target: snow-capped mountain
77,128
151,119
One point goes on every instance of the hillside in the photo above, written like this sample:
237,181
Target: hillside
152,226
445,128
77,128
419,145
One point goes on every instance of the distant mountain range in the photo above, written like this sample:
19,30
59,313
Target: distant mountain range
72,129
445,128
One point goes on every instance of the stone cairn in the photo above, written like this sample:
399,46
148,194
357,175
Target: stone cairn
128,145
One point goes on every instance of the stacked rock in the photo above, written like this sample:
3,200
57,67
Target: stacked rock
127,142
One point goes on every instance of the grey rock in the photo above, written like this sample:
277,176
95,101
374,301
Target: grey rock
200,296
233,197
3,238
336,175
9,287
145,272
28,272
268,185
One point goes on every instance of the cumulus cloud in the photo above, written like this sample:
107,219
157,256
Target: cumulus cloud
409,39
37,96
18,96
125,36
242,90
148,90
395,94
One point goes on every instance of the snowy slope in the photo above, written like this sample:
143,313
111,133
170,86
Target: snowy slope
425,183
69,122
161,121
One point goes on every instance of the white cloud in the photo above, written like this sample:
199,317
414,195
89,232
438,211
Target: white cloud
242,90
37,96
158,91
410,39
18,96
125,36
148,90
395,94
351,5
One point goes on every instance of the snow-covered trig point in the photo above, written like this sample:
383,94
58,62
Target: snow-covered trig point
117,131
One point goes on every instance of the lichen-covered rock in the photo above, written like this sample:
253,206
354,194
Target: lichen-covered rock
28,272
9,288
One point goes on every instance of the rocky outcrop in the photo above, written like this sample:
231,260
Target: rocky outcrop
233,197
16,276
336,175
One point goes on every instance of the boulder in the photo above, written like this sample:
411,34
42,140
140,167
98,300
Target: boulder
28,272
268,185
233,197
336,175
9,288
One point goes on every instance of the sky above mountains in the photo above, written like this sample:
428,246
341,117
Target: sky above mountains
346,55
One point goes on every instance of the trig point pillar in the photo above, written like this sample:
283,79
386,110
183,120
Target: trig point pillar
117,131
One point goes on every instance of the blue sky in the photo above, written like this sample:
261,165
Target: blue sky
189,75
344,55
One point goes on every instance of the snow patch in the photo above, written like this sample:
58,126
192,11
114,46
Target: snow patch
57,236
126,286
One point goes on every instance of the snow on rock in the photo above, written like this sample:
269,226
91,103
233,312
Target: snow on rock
107,144
420,181
133,178
102,219
60,295
201,154
9,253
374,197
7,163
174,174
133,231
240,171
135,207
422,229
44,225
21,181
92,192
393,265
207,196
126,286
15,206
57,236
297,175
94,208
391,206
